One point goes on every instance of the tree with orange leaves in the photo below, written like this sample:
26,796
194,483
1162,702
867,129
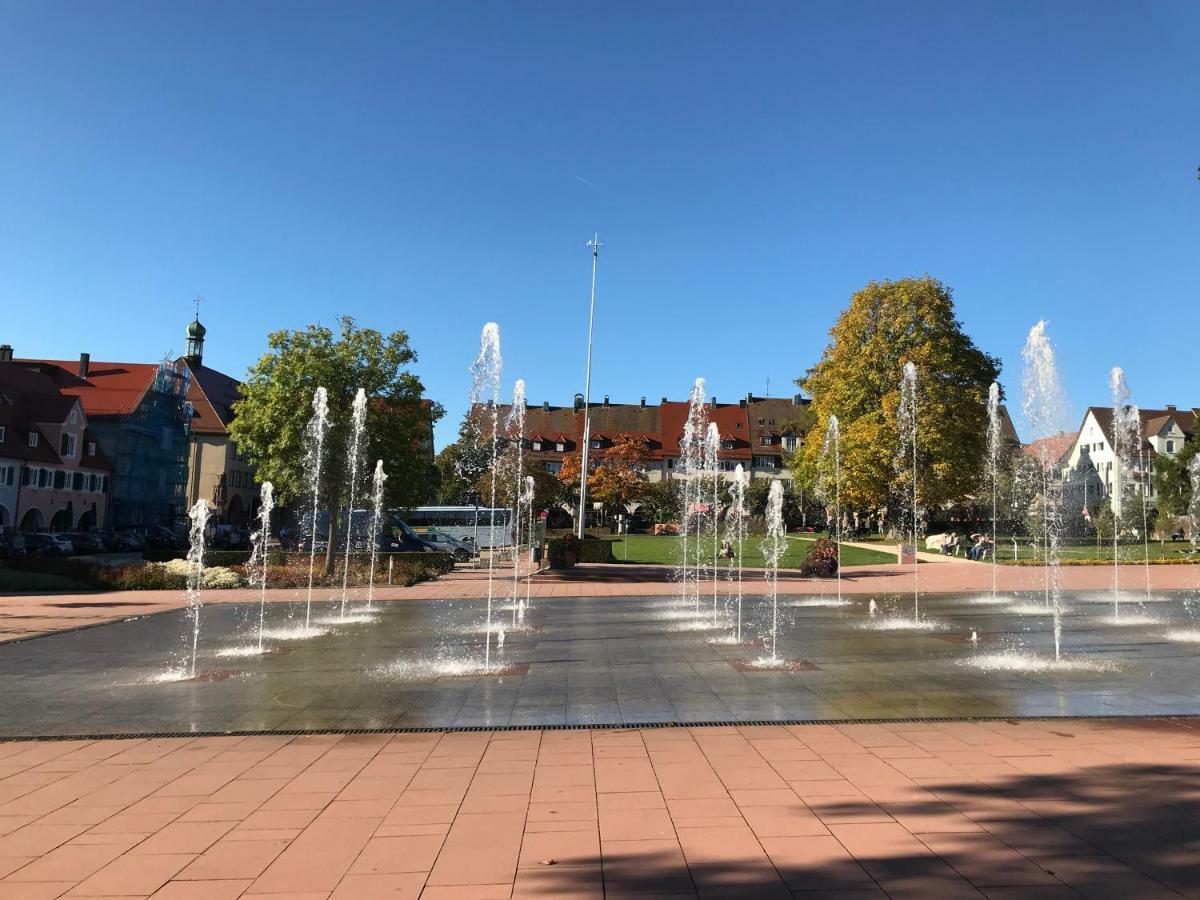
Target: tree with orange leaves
618,478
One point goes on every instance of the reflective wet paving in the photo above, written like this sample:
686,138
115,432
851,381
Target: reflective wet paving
607,661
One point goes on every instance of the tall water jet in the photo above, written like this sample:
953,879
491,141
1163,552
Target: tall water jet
527,491
378,480
198,515
735,535
314,458
907,463
1126,436
516,430
994,444
712,448
358,424
259,553
773,546
1194,506
1045,408
485,383
691,457
831,462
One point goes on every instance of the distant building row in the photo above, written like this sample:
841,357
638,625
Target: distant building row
756,432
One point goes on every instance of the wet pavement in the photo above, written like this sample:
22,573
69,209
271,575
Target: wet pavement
590,661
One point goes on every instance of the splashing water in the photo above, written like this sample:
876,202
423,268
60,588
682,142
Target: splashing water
485,383
1045,408
516,431
994,443
691,459
712,447
198,515
1194,506
773,546
358,421
735,535
1125,438
259,554
831,463
906,462
378,479
527,492
314,456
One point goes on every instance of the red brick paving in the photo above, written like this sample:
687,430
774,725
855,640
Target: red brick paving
28,615
1023,809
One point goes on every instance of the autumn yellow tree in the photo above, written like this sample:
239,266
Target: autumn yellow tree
888,324
618,478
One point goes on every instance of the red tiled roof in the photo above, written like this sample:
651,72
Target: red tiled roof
110,389
29,397
1051,449
212,395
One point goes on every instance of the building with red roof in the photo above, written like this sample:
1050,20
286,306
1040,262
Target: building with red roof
137,413
54,474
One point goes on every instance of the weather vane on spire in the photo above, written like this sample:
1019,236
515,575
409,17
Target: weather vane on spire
199,300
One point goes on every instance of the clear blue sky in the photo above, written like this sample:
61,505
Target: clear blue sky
433,166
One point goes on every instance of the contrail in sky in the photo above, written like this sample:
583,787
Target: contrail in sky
588,183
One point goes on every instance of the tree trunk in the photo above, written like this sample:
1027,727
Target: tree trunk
331,543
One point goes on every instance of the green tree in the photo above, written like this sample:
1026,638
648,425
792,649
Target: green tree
461,464
1172,482
274,411
888,324
661,501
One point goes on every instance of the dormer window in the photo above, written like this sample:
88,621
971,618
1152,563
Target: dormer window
91,448
74,417
766,440
1170,446
537,445
66,445
728,445
33,438
560,446
596,445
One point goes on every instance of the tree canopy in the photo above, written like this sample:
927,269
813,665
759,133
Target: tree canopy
887,324
617,480
275,407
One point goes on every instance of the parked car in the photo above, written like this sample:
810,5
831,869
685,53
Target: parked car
447,544
11,544
125,542
85,541
47,545
397,541
159,537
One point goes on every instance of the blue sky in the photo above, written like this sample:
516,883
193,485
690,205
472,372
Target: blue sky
434,166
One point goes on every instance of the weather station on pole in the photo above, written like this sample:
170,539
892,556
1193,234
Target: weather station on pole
595,243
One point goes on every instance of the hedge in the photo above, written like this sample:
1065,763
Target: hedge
596,551
564,552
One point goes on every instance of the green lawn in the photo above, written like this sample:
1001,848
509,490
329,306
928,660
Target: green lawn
15,581
1128,553
664,550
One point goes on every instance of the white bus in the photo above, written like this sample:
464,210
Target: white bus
466,523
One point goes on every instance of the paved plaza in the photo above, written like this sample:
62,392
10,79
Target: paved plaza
884,761
1002,810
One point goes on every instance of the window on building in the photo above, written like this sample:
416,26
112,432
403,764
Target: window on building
26,477
765,440
790,443
728,445
728,465
104,483
537,445
60,479
761,421
33,436
553,466
6,476
77,481
74,417
2,434
66,444
1170,446
560,447
770,421
91,482
670,463
766,462
91,448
